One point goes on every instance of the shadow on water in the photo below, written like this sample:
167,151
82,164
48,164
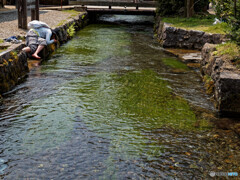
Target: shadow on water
111,104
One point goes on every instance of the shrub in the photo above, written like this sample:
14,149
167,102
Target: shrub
225,10
176,7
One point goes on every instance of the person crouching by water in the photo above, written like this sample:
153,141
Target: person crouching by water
37,38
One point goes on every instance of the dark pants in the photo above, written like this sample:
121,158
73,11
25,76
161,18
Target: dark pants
33,41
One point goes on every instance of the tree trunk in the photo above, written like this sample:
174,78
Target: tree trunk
189,8
1,4
235,8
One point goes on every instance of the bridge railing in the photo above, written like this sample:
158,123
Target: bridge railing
128,3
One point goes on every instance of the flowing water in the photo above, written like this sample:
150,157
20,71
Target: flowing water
110,104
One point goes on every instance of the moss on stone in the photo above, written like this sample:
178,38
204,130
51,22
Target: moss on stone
14,55
209,84
2,50
62,22
72,13
71,30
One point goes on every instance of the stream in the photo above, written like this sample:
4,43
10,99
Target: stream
111,104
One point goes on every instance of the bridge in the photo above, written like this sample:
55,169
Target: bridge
126,7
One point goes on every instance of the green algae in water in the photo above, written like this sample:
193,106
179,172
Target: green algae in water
147,96
137,96
126,105
175,63
93,44
107,100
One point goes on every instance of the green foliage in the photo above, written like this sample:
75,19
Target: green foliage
225,10
175,7
1,40
235,29
169,7
71,30
198,23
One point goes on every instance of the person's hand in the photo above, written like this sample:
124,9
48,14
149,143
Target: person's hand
55,41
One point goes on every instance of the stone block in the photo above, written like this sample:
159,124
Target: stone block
182,38
227,92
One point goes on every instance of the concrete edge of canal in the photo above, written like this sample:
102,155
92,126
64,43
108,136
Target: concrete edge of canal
14,64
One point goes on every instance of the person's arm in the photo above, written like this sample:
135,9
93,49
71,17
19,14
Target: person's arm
48,37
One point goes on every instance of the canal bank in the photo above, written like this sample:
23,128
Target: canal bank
14,63
221,77
111,104
15,71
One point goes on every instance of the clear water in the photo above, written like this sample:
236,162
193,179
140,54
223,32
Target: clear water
110,104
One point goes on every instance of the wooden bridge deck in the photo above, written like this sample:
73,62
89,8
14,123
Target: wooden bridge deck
119,11
121,3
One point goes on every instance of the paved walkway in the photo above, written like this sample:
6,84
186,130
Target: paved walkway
9,21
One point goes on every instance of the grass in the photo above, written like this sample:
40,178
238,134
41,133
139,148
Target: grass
230,48
1,41
198,23
231,51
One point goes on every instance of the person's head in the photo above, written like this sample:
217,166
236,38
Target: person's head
54,35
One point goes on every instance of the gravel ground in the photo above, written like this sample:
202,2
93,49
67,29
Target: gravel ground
9,22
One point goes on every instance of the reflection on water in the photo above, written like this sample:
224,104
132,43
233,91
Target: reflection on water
111,104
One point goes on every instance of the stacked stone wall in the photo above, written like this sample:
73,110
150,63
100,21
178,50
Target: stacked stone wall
225,78
171,37
14,62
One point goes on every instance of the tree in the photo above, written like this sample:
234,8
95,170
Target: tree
181,7
228,11
1,4
189,8
235,8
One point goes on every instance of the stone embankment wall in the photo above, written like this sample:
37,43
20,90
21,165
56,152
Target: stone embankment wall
221,78
171,37
219,72
13,67
14,64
